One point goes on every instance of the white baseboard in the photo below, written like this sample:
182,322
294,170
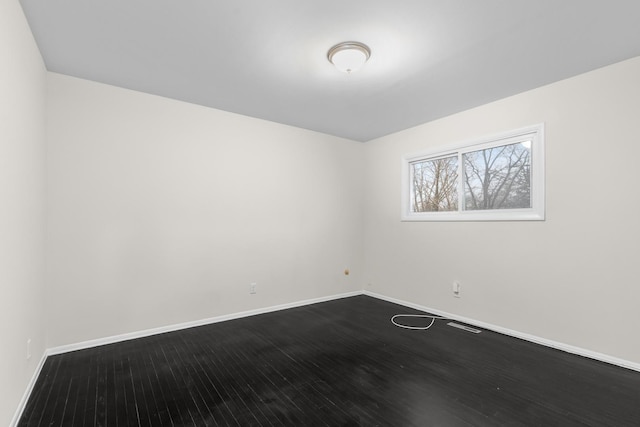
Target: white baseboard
170,328
521,335
527,337
27,392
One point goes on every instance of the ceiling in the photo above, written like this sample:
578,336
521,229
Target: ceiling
267,59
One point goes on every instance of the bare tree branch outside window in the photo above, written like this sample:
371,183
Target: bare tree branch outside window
435,185
498,178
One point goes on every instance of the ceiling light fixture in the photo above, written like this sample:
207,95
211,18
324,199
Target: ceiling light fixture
349,56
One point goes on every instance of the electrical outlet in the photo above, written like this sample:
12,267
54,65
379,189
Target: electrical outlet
29,349
252,288
456,289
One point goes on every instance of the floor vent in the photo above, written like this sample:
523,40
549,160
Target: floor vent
465,328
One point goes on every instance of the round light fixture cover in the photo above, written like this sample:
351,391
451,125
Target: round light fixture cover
349,56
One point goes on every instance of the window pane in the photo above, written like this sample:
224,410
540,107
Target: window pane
498,178
434,184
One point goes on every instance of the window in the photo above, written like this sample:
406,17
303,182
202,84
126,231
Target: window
492,179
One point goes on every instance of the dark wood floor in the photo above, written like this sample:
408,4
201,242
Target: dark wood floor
340,363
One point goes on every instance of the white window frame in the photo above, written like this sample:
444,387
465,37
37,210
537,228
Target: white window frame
535,213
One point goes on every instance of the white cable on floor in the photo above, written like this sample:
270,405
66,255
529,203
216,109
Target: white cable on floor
418,328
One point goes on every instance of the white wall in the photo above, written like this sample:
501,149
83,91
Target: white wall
22,125
571,279
162,212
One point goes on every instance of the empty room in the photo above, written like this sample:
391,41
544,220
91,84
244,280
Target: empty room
319,213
